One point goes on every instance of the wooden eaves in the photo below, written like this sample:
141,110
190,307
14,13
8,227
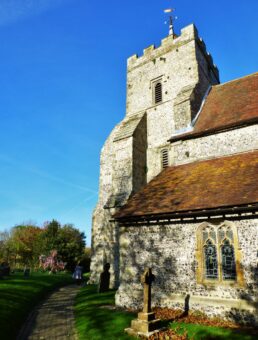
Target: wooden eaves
234,212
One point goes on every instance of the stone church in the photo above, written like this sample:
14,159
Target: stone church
178,184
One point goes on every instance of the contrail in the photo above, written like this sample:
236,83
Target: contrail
45,175
78,205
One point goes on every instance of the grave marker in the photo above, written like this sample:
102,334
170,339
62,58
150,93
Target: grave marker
146,324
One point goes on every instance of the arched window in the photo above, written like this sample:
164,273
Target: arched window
164,158
228,263
210,260
158,93
218,254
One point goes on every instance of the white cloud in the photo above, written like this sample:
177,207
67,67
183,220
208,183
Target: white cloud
13,10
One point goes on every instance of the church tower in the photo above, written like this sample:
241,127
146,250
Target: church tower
165,90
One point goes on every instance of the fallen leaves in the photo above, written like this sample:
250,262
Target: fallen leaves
195,317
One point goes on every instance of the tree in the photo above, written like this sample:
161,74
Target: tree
26,243
67,240
71,243
48,240
51,263
23,244
4,247
85,259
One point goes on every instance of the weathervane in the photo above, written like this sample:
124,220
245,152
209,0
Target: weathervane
171,27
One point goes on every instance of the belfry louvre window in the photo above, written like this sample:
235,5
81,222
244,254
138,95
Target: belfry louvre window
217,250
158,93
164,158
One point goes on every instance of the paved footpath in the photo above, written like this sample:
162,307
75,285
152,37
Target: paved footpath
53,319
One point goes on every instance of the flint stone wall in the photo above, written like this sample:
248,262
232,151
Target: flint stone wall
104,243
221,144
218,145
170,251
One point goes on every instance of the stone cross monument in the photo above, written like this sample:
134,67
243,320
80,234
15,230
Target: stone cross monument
146,279
146,324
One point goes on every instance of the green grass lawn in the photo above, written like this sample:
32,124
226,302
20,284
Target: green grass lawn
19,295
198,332
94,322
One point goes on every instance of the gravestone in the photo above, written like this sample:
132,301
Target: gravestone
4,269
104,279
26,273
146,324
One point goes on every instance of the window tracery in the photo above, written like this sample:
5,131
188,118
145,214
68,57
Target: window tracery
217,254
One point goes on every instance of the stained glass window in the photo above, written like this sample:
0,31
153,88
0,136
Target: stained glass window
219,249
210,261
228,261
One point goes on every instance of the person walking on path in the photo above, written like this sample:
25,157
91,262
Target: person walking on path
52,319
77,275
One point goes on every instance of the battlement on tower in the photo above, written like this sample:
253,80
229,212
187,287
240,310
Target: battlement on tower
151,53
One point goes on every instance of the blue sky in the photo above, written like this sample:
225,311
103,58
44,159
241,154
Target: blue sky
62,90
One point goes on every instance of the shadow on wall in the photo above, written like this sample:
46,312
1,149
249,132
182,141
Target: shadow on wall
135,257
247,317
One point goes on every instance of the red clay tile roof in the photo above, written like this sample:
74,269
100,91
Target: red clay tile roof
221,182
227,106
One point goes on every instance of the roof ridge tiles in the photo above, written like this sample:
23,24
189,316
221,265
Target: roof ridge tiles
236,79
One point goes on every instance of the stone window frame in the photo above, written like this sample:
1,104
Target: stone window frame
200,271
154,83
